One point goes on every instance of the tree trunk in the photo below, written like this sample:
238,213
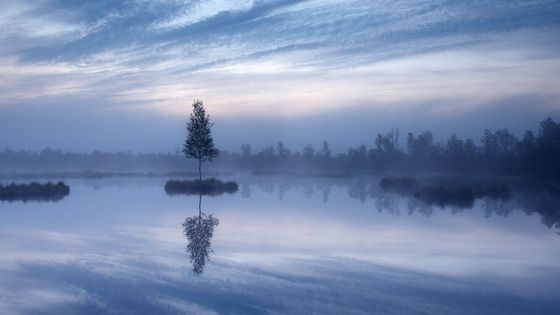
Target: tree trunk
200,170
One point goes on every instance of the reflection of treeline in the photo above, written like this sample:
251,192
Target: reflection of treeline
496,152
495,195
34,191
448,191
545,204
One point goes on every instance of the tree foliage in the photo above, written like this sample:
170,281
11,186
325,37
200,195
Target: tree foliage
199,143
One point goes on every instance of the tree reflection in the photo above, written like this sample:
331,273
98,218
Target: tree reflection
544,203
198,231
454,194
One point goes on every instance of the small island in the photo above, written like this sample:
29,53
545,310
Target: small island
442,191
212,187
34,192
199,145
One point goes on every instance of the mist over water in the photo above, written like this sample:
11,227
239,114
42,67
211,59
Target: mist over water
404,226
283,244
279,157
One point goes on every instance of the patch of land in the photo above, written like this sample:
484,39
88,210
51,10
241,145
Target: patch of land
210,186
34,191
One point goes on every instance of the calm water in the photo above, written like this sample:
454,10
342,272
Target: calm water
282,246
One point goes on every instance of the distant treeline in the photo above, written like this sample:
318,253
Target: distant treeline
496,152
49,160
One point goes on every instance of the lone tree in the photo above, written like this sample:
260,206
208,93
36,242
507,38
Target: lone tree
199,143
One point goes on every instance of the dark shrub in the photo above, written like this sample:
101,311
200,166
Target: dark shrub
210,186
34,191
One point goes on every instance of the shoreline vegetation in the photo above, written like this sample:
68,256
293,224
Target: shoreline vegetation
497,152
447,191
34,192
210,187
498,196
463,191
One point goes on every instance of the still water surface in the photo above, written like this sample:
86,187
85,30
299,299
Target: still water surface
282,246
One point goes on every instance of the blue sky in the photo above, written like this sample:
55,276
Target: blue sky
121,75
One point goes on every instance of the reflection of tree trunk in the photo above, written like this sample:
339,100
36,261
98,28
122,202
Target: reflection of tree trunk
199,169
199,204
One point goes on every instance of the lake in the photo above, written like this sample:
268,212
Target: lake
282,246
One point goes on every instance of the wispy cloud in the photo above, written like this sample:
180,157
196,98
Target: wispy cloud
285,57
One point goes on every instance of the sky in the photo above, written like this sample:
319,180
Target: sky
122,75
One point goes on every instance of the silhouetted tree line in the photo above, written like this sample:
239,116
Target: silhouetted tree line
58,160
497,152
